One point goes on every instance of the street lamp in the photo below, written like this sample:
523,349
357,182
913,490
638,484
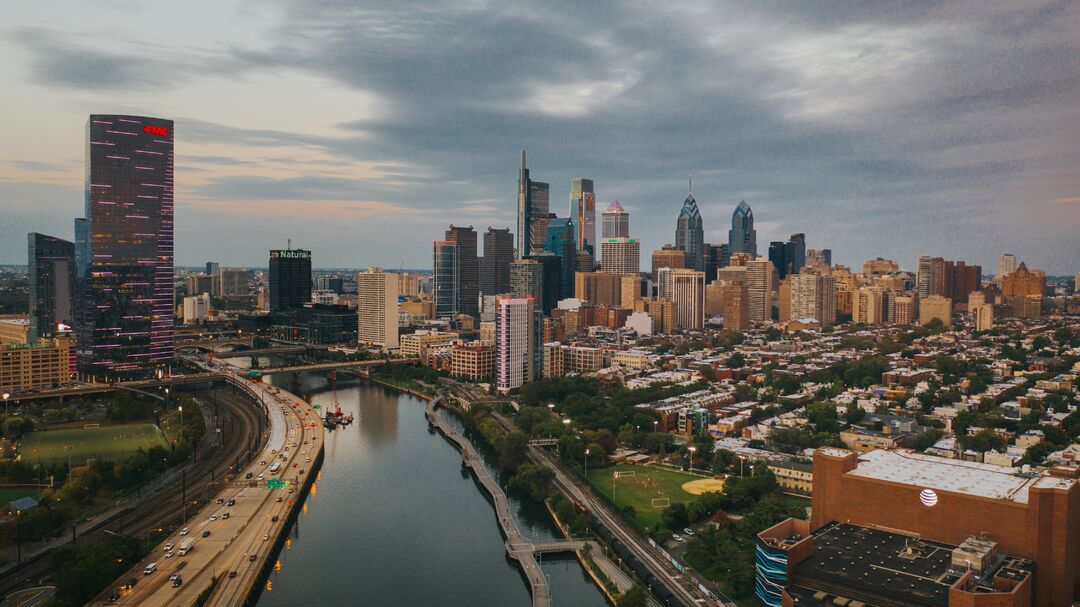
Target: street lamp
6,396
586,463
181,407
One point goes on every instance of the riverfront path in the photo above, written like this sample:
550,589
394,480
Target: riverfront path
517,545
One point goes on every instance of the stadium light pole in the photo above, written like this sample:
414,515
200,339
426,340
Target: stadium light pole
6,396
586,463
181,407
691,449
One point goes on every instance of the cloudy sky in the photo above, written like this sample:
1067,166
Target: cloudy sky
362,129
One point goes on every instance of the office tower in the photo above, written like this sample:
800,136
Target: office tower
759,284
213,270
51,265
868,306
729,299
445,280
495,265
124,248
819,258
468,269
527,279
686,288
984,317
975,300
742,238
551,283
813,296
533,197
902,307
328,282
796,253
667,257
290,279
621,255
1023,290
560,243
599,288
778,252
616,221
1006,264
930,276
198,283
583,213
935,306
236,282
716,257
377,309
409,285
662,312
961,280
515,342
690,234
196,308
630,290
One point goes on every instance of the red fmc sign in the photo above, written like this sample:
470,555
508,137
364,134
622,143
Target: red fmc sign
156,130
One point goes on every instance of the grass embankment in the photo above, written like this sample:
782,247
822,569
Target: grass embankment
640,489
80,444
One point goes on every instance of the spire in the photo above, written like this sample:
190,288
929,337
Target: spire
523,159
691,191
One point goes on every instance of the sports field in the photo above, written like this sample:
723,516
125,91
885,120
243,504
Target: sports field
649,490
104,442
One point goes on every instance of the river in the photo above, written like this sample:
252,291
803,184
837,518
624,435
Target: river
394,521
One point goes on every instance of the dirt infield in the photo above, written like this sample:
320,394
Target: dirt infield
704,485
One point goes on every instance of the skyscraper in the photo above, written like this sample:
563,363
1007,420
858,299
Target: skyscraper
687,289
526,279
468,269
778,252
667,257
1006,264
533,198
619,253
51,264
377,308
445,280
690,234
583,214
716,256
290,279
759,285
796,252
515,342
616,221
495,265
560,243
124,281
742,238
930,276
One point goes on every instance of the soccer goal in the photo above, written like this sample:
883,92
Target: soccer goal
88,426
627,473
661,502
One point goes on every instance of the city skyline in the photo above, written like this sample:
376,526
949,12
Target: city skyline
830,126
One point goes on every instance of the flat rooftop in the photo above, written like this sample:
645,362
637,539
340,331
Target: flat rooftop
875,564
956,476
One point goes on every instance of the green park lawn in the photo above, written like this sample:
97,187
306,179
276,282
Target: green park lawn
640,490
104,442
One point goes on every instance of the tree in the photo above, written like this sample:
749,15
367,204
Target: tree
983,440
512,450
532,480
674,517
635,597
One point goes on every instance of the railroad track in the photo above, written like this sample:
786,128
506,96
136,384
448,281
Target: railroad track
240,440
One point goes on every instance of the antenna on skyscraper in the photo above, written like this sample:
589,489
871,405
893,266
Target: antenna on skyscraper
691,191
290,244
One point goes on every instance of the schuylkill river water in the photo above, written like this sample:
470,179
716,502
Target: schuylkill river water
394,521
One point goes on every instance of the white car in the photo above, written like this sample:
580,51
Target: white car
688,531
676,537
169,554
184,531
213,517
168,546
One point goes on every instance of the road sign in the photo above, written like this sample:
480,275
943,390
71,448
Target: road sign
276,483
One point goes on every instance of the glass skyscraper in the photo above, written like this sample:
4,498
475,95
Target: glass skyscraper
446,279
290,279
124,261
583,214
742,238
533,199
560,242
690,234
51,262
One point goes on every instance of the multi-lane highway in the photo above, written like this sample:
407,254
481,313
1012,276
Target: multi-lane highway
232,537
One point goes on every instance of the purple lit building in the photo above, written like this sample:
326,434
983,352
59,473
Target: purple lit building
124,248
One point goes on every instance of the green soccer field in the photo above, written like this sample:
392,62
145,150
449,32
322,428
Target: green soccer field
105,442
646,490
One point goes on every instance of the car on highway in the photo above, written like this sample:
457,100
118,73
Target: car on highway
275,519
206,533
152,567
266,537
278,499
130,583
231,503
249,475
225,516
169,554
252,558
169,546
174,576
232,574
184,531
221,500
176,582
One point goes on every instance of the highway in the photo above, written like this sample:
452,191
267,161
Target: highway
160,504
239,537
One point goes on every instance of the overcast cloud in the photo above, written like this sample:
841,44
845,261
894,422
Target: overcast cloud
361,130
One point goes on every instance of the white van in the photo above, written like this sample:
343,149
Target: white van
152,567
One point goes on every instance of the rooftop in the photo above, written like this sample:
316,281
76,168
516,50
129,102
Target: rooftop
956,476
